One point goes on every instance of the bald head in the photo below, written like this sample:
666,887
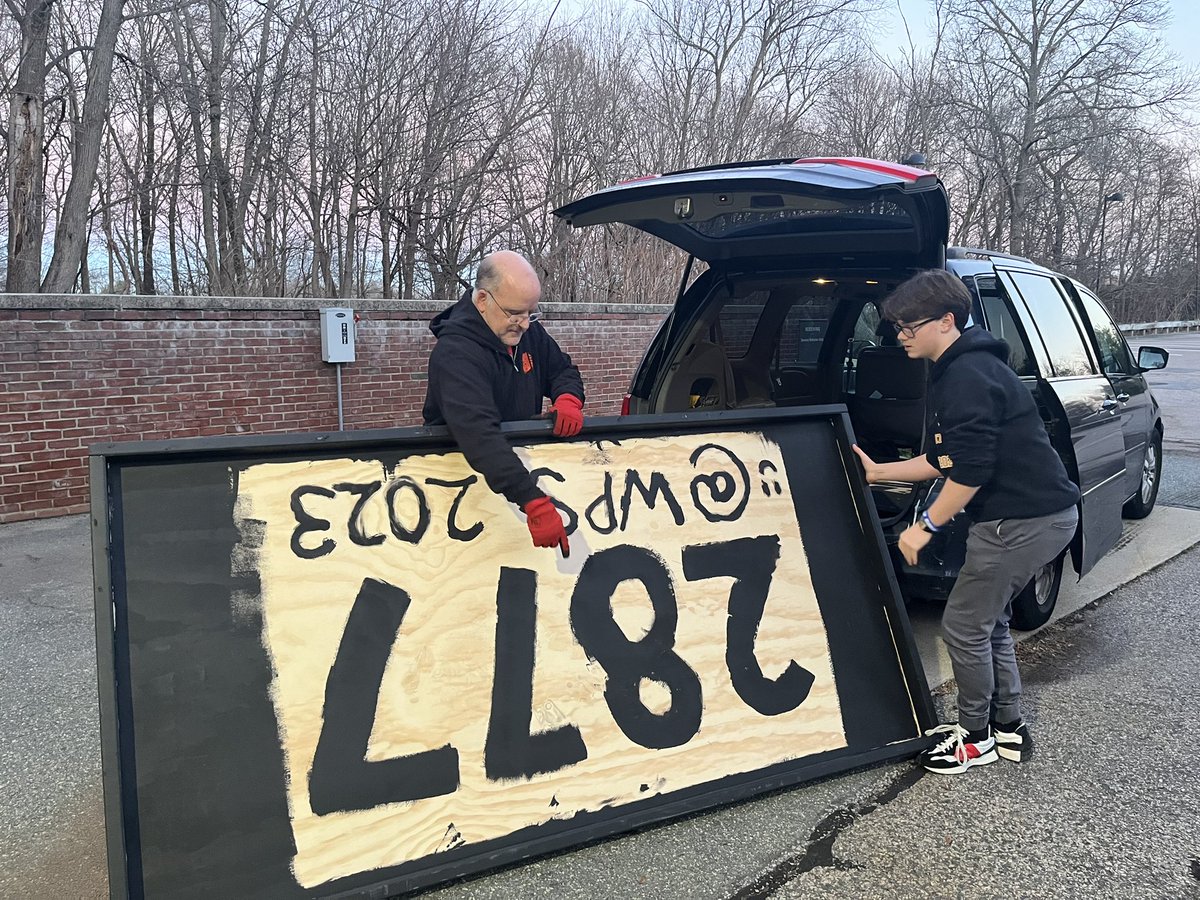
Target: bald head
506,269
506,286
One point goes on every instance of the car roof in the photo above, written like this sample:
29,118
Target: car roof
977,260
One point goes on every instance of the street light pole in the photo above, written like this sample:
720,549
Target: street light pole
1108,198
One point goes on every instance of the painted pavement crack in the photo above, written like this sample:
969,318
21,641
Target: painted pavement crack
819,850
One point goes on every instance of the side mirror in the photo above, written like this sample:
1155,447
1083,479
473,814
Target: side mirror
1152,358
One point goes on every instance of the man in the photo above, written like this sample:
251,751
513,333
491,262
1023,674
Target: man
985,436
494,362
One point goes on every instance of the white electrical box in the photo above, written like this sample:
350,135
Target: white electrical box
337,334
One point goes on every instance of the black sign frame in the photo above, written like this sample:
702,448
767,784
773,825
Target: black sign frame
119,713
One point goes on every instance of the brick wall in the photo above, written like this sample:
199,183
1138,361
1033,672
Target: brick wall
78,371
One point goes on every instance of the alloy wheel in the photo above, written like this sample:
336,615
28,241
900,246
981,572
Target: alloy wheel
1149,471
1043,582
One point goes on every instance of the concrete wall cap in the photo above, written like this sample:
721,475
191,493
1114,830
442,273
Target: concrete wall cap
119,302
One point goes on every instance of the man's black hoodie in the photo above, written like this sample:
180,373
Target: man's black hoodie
475,383
985,432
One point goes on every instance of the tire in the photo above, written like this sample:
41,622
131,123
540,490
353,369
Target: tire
1139,506
1033,607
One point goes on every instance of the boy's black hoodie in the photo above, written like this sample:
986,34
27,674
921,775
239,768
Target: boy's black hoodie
475,383
985,432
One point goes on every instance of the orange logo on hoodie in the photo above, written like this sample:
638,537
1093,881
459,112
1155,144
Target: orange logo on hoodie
526,363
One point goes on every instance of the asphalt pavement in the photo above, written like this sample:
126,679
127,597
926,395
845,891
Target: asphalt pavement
52,825
1108,807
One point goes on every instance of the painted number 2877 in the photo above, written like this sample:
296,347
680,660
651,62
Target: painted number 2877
343,779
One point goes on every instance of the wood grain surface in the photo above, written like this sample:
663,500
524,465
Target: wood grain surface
437,685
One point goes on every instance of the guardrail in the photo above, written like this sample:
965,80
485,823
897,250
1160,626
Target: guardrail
1159,327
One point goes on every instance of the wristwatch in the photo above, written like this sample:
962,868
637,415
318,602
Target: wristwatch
927,523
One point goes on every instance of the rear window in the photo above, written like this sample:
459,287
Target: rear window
803,214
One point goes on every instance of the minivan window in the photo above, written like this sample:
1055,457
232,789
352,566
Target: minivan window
1115,358
1001,324
1056,324
804,330
737,320
866,326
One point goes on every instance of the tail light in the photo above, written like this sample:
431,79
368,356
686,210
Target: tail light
625,405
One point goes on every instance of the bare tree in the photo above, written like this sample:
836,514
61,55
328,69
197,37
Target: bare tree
1029,76
383,146
70,235
725,78
26,149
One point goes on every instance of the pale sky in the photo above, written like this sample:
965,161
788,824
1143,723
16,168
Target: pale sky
1183,36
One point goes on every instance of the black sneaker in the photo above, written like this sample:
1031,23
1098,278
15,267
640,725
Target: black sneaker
1013,742
957,752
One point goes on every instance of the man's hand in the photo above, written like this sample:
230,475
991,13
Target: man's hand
546,525
568,415
871,469
912,541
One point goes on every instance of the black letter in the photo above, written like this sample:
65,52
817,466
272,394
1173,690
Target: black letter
306,523
455,532
762,470
658,485
511,751
572,519
364,492
751,562
342,778
627,663
607,499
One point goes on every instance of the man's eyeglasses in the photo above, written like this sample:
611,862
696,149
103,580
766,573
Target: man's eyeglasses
514,316
910,331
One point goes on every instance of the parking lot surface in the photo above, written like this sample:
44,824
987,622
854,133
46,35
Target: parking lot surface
1104,808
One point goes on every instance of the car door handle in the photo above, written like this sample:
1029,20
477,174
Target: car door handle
1124,398
1109,404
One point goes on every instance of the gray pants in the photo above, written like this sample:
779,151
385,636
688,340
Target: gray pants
1002,555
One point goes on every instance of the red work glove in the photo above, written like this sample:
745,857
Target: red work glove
546,525
568,415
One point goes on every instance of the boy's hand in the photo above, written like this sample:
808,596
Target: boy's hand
871,469
912,541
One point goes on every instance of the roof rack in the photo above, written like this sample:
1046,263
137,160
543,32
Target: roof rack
969,252
741,164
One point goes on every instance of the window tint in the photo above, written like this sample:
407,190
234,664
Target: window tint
1001,324
737,320
869,331
767,214
803,331
1114,352
866,327
1056,324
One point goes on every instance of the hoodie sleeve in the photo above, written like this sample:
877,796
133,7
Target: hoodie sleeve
970,411
463,391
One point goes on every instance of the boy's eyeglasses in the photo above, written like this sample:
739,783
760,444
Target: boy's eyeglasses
910,331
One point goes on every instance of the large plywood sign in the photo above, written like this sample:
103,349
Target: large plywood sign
426,693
